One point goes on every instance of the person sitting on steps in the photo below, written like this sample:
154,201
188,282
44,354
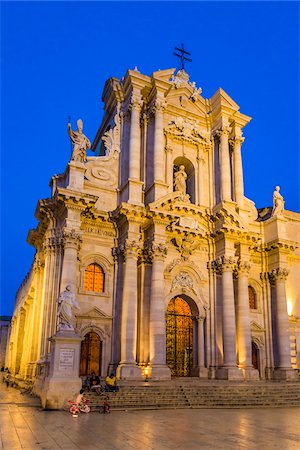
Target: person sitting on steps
111,385
95,383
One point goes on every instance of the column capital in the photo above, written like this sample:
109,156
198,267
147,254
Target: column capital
136,102
236,141
130,249
71,238
159,105
223,131
243,267
159,250
225,264
279,274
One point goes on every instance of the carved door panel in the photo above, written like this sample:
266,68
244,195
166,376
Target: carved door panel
90,357
179,339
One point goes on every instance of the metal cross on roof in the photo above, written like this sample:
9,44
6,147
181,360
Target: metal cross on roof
181,57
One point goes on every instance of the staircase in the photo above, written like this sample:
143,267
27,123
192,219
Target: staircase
200,394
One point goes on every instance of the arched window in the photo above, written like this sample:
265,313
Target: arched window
252,298
94,278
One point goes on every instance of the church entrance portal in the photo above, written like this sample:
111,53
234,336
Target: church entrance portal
90,356
179,338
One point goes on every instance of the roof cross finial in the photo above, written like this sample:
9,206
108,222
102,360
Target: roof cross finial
181,56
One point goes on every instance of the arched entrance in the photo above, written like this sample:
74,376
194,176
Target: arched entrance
179,337
90,355
255,356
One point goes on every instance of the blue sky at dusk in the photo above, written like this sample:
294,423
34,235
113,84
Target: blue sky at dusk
56,57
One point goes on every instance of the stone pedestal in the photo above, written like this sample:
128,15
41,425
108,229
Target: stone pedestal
230,373
75,171
63,381
129,372
159,372
282,374
250,373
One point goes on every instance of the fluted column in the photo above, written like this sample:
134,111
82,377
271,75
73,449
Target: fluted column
135,138
238,170
243,323
159,157
229,369
159,369
284,367
201,348
128,368
71,244
169,168
201,197
224,163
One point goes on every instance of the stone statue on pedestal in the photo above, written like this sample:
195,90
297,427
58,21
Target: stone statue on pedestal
278,202
65,311
180,180
79,141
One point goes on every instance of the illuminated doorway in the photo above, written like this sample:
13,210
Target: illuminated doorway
90,356
179,338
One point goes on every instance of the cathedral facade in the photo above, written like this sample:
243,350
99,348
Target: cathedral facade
175,272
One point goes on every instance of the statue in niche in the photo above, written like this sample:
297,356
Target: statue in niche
79,142
65,311
278,202
180,180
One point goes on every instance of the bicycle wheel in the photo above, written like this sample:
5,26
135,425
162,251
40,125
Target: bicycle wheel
73,409
86,408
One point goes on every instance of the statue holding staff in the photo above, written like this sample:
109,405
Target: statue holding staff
79,142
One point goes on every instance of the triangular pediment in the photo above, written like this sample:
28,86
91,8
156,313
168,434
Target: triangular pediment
94,313
223,100
181,98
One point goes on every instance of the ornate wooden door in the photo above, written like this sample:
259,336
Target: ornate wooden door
179,340
90,356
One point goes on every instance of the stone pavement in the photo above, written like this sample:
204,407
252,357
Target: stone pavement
24,425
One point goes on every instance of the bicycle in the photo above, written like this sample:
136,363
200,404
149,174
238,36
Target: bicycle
83,407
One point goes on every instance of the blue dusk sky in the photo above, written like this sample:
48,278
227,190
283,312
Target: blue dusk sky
56,57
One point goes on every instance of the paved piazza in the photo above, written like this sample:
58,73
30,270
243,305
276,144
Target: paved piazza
25,426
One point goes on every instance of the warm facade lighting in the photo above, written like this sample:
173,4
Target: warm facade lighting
289,307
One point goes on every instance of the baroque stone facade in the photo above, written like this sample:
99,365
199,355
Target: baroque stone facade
174,270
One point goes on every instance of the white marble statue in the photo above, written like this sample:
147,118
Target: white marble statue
278,202
65,311
180,180
79,141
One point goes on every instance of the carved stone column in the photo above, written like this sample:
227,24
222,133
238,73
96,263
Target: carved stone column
224,163
284,367
243,323
134,194
128,368
169,168
238,170
71,243
203,372
135,138
159,369
160,187
201,197
229,369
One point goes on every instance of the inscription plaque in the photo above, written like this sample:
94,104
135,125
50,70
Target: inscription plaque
66,359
